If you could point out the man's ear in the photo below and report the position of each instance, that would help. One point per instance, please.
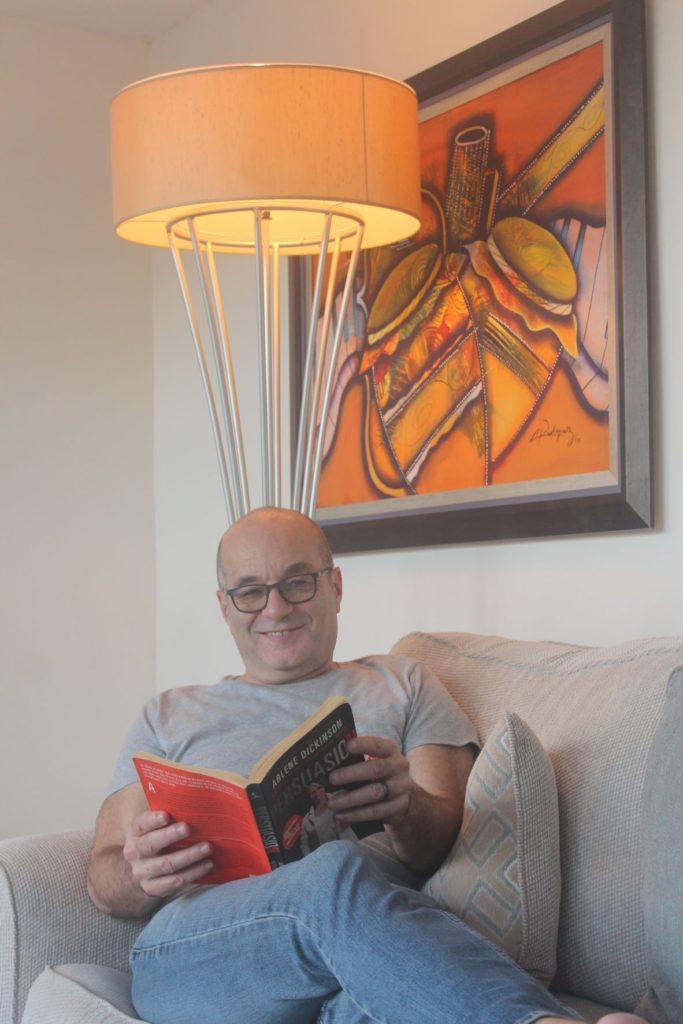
(223, 602)
(337, 584)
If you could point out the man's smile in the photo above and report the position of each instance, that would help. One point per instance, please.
(279, 632)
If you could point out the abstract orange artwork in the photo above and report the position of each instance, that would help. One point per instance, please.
(480, 356)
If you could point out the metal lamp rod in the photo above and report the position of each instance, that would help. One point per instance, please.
(350, 276)
(304, 411)
(264, 291)
(211, 310)
(319, 373)
(204, 372)
(277, 396)
(242, 482)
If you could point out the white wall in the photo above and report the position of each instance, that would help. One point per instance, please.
(76, 544)
(596, 589)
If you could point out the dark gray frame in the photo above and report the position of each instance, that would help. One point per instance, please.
(631, 507)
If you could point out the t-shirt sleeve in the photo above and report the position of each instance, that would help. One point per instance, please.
(434, 716)
(142, 736)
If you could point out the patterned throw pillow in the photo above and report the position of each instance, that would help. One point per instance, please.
(502, 877)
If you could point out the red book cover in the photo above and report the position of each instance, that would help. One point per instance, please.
(217, 810)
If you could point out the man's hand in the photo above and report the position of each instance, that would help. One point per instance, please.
(131, 870)
(157, 873)
(425, 793)
(387, 794)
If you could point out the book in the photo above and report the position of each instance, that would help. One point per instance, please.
(275, 816)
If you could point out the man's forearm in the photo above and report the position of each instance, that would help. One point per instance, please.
(423, 837)
(113, 889)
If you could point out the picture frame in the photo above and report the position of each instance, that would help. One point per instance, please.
(535, 178)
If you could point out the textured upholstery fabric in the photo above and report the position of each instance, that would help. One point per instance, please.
(76, 994)
(46, 916)
(80, 994)
(502, 877)
(663, 1001)
(586, 1007)
(595, 710)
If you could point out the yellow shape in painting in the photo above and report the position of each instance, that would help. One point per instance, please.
(438, 401)
(402, 290)
(538, 257)
(509, 404)
(379, 458)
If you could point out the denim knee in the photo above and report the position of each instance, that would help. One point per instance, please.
(334, 855)
(333, 861)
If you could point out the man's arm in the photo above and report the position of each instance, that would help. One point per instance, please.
(423, 812)
(129, 874)
(434, 815)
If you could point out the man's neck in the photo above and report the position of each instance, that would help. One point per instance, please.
(246, 677)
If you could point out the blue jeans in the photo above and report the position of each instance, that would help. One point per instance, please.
(326, 939)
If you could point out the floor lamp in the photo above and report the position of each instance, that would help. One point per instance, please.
(267, 160)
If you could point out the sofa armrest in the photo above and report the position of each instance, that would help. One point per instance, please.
(46, 916)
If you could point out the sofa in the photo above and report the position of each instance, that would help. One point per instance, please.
(611, 722)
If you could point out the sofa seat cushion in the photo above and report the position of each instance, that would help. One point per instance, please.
(88, 994)
(502, 876)
(80, 994)
(596, 711)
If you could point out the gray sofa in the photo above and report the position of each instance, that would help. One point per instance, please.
(611, 720)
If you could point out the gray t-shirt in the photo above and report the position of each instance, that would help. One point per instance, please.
(231, 724)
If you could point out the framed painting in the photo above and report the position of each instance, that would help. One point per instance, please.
(493, 379)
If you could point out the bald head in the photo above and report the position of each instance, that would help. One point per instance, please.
(286, 639)
(249, 530)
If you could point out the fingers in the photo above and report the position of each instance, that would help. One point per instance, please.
(386, 762)
(149, 844)
(169, 884)
(373, 746)
(372, 803)
(158, 873)
(367, 771)
(385, 811)
(160, 876)
(385, 795)
(366, 795)
(148, 820)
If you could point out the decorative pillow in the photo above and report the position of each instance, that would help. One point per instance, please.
(502, 877)
(80, 992)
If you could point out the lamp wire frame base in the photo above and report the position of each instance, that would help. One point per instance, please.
(320, 359)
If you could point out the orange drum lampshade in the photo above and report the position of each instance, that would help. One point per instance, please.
(220, 141)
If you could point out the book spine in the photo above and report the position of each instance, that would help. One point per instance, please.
(264, 824)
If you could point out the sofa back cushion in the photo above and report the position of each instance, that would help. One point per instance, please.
(663, 856)
(595, 710)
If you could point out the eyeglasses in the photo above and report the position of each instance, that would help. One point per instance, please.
(293, 589)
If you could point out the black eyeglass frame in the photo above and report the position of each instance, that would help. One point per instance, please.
(314, 576)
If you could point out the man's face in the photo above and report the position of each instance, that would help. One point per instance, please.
(317, 794)
(283, 642)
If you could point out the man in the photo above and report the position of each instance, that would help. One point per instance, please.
(340, 936)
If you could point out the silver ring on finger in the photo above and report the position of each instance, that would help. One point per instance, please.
(385, 792)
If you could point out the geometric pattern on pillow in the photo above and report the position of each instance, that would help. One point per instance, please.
(502, 876)
(489, 844)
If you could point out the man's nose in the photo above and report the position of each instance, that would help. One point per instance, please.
(276, 606)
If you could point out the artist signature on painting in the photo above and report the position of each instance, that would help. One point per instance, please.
(547, 431)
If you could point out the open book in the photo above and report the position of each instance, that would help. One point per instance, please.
(277, 815)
